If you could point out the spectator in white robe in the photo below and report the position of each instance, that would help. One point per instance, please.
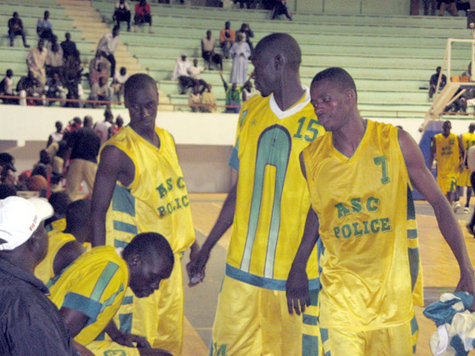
(240, 53)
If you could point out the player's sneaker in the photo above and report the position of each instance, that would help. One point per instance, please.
(466, 210)
(456, 206)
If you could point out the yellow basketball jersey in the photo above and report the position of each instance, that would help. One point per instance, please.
(468, 140)
(94, 285)
(56, 240)
(57, 225)
(370, 264)
(272, 199)
(156, 200)
(447, 153)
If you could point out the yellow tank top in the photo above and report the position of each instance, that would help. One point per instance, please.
(447, 153)
(370, 264)
(57, 225)
(468, 140)
(272, 199)
(156, 200)
(56, 240)
(94, 285)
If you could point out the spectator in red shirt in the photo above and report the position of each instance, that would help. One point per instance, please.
(226, 38)
(143, 14)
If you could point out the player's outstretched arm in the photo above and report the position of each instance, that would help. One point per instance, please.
(296, 288)
(113, 165)
(425, 183)
(197, 264)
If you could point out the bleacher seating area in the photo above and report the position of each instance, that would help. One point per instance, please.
(390, 57)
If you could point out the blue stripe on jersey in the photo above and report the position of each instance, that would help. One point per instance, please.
(262, 282)
(413, 264)
(309, 319)
(125, 323)
(128, 300)
(324, 334)
(412, 233)
(124, 227)
(104, 280)
(82, 304)
(414, 326)
(234, 159)
(309, 345)
(123, 201)
(119, 243)
(411, 210)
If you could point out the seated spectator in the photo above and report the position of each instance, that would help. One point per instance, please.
(463, 6)
(207, 51)
(122, 13)
(28, 87)
(240, 53)
(141, 266)
(432, 4)
(57, 135)
(99, 66)
(100, 91)
(54, 60)
(72, 77)
(233, 96)
(208, 100)
(280, 8)
(433, 82)
(180, 73)
(194, 99)
(7, 168)
(248, 34)
(143, 14)
(248, 91)
(36, 60)
(194, 72)
(68, 46)
(119, 123)
(55, 89)
(226, 38)
(6, 88)
(443, 4)
(15, 28)
(30, 322)
(104, 128)
(73, 125)
(44, 28)
(107, 46)
(118, 83)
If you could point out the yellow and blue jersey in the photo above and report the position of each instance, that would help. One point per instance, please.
(371, 270)
(156, 200)
(272, 198)
(447, 154)
(94, 285)
(56, 240)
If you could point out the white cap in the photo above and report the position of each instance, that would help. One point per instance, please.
(19, 219)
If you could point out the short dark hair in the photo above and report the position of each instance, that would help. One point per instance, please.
(149, 245)
(139, 81)
(78, 213)
(282, 43)
(338, 76)
(59, 201)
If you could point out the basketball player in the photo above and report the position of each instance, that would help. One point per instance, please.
(466, 140)
(360, 175)
(447, 152)
(268, 208)
(140, 187)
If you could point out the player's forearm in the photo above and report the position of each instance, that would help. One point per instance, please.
(225, 220)
(309, 239)
(450, 229)
(98, 227)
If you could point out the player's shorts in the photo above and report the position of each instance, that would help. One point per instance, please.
(394, 341)
(447, 182)
(255, 321)
(464, 178)
(109, 348)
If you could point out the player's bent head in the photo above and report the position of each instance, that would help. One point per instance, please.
(150, 259)
(280, 44)
(138, 82)
(78, 213)
(340, 77)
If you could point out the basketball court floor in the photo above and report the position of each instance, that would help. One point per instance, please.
(440, 272)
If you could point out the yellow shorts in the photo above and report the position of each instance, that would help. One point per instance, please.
(447, 182)
(159, 317)
(109, 348)
(394, 341)
(464, 178)
(255, 321)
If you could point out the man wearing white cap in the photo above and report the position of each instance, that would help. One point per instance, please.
(30, 322)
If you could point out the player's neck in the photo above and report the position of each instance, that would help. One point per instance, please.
(347, 139)
(288, 94)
